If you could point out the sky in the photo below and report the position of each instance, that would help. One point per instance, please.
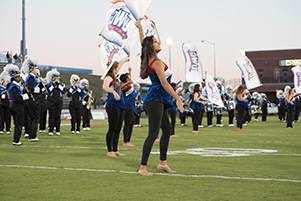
(65, 32)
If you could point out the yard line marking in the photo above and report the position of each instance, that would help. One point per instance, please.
(157, 174)
(125, 149)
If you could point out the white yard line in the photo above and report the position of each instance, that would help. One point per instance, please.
(157, 174)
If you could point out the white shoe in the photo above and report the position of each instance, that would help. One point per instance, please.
(219, 125)
(1, 132)
(231, 125)
(58, 133)
(33, 140)
(136, 126)
(17, 143)
(26, 135)
(84, 129)
(77, 132)
(182, 125)
(88, 128)
(7, 132)
(200, 126)
(245, 124)
(73, 132)
(50, 134)
(211, 126)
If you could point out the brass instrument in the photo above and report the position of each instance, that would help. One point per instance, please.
(90, 100)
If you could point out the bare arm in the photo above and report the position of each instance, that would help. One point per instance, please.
(159, 69)
(106, 84)
(140, 29)
(106, 87)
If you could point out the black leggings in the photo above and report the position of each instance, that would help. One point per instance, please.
(289, 119)
(173, 115)
(240, 115)
(112, 137)
(157, 118)
(196, 119)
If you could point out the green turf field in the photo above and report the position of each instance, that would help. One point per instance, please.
(74, 167)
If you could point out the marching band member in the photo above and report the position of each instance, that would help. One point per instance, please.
(32, 105)
(230, 103)
(256, 105)
(209, 111)
(297, 102)
(87, 100)
(241, 106)
(55, 90)
(129, 95)
(184, 95)
(264, 106)
(158, 99)
(5, 116)
(248, 115)
(138, 111)
(74, 92)
(17, 95)
(281, 105)
(111, 86)
(289, 100)
(43, 108)
(218, 109)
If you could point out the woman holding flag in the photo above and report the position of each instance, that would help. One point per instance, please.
(157, 101)
(111, 86)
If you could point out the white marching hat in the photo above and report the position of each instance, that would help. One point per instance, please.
(74, 79)
(51, 75)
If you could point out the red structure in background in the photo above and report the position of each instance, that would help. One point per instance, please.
(274, 69)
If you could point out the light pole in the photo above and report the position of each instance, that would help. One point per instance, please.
(169, 42)
(214, 55)
(23, 41)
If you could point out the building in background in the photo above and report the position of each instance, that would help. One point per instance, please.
(274, 69)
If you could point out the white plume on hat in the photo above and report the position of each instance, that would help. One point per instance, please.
(74, 79)
(27, 65)
(4, 77)
(11, 70)
(51, 75)
(84, 83)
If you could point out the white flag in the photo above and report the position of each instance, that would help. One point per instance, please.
(119, 25)
(213, 92)
(248, 72)
(297, 78)
(138, 7)
(110, 52)
(192, 63)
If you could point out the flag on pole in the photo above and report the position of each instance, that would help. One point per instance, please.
(248, 72)
(212, 91)
(192, 63)
(297, 78)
